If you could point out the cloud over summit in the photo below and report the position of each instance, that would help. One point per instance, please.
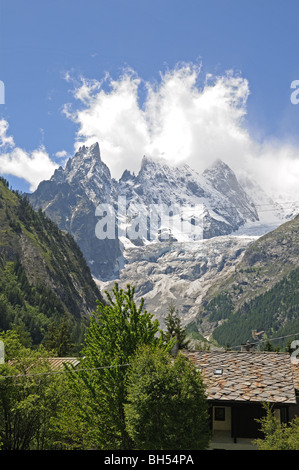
(183, 117)
(178, 119)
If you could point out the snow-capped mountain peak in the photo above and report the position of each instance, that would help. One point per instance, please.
(73, 194)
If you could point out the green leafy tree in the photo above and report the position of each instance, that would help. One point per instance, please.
(29, 396)
(76, 425)
(117, 330)
(167, 407)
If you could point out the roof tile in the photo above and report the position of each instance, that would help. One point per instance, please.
(250, 376)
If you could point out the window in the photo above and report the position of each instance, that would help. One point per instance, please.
(219, 413)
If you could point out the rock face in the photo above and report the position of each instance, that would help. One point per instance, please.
(175, 234)
(209, 204)
(225, 204)
(179, 272)
(70, 198)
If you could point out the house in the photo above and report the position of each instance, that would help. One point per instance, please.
(57, 363)
(295, 369)
(237, 385)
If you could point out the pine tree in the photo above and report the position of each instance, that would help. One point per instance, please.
(174, 327)
(58, 337)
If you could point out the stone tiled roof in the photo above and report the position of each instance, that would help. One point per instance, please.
(295, 369)
(246, 376)
(57, 362)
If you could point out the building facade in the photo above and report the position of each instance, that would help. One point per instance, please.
(237, 386)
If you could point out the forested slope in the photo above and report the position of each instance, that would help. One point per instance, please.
(261, 294)
(43, 274)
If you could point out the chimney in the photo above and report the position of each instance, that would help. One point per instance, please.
(247, 347)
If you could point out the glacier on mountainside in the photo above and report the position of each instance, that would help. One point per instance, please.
(220, 213)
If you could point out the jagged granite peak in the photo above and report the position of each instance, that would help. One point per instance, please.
(221, 177)
(58, 175)
(71, 196)
(87, 167)
(226, 203)
(86, 171)
(145, 161)
(86, 159)
(91, 153)
(159, 183)
(127, 175)
(151, 162)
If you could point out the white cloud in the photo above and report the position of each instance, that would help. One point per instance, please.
(61, 154)
(178, 120)
(33, 167)
(195, 124)
(114, 119)
(5, 140)
(275, 165)
(184, 117)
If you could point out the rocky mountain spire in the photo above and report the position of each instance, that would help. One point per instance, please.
(71, 196)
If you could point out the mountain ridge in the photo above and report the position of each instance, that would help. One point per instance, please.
(43, 270)
(72, 195)
(231, 303)
(190, 269)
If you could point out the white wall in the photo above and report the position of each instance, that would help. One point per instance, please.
(222, 425)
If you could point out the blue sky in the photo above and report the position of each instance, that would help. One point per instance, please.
(48, 48)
